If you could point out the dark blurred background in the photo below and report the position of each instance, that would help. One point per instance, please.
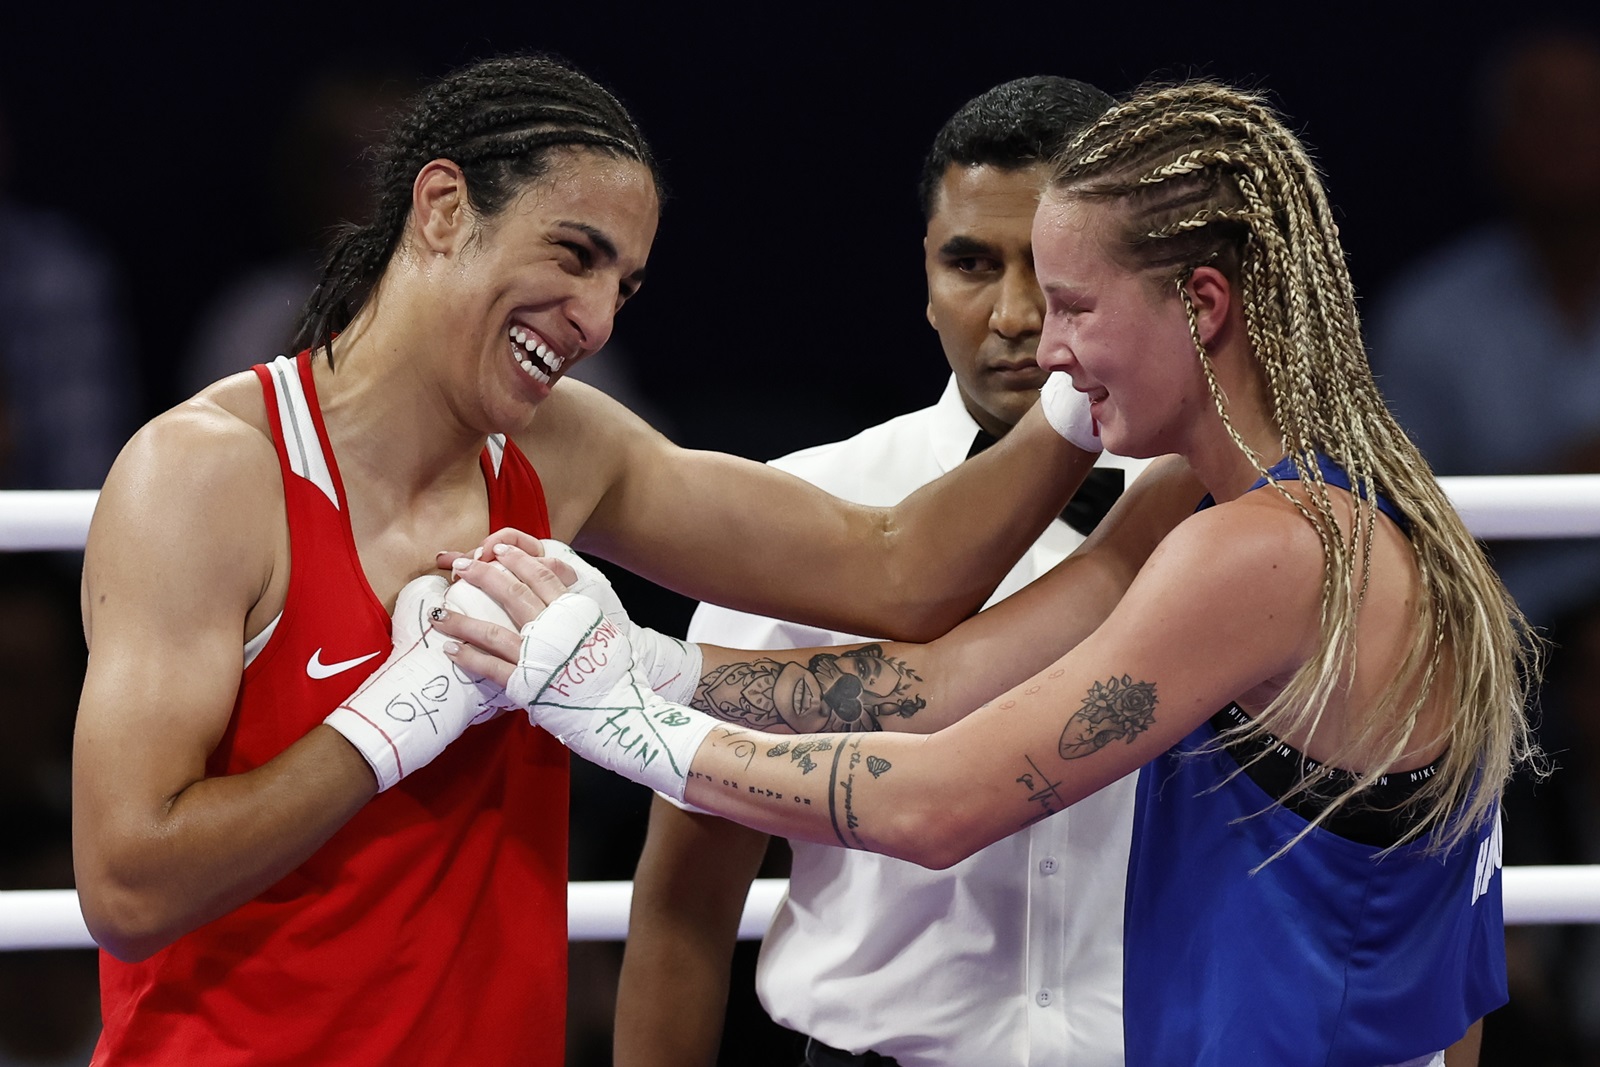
(786, 281)
(165, 179)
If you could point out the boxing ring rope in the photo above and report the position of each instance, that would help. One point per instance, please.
(1542, 506)
(598, 911)
(45, 520)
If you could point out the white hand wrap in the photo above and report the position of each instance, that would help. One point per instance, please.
(468, 599)
(1067, 411)
(671, 666)
(576, 677)
(414, 705)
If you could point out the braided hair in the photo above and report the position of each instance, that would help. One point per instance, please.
(499, 120)
(1199, 173)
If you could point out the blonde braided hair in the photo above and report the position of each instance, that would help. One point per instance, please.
(1202, 173)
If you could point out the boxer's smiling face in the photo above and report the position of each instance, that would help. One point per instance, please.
(536, 288)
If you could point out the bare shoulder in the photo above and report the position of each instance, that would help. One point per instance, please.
(1229, 599)
(576, 415)
(195, 496)
(217, 443)
(1256, 533)
(1161, 497)
(1169, 474)
(1258, 546)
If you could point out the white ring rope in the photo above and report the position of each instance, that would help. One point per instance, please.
(1542, 506)
(45, 519)
(1531, 506)
(598, 911)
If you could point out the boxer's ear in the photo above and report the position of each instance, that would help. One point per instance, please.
(1212, 296)
(441, 214)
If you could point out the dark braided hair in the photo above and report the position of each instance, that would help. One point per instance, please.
(499, 120)
(1012, 126)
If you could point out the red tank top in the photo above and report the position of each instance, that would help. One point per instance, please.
(431, 929)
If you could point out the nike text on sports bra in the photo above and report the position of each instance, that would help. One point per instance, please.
(1380, 817)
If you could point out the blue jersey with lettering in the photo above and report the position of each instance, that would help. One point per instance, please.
(1335, 954)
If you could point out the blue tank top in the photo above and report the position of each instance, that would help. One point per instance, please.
(1335, 954)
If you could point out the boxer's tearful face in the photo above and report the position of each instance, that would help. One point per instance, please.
(983, 297)
(1120, 334)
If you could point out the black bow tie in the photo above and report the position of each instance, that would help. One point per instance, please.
(1092, 500)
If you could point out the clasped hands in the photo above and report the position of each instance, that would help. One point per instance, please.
(523, 576)
(555, 636)
(527, 624)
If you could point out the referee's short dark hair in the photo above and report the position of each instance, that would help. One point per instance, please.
(1014, 125)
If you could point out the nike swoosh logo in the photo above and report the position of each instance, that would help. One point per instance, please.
(318, 669)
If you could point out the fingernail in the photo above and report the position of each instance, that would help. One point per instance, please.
(501, 550)
(477, 553)
(461, 564)
(452, 647)
(438, 614)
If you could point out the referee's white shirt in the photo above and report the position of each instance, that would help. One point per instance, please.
(1012, 957)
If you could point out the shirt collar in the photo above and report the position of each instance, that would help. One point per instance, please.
(954, 428)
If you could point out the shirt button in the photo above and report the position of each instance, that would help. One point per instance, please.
(1048, 865)
(1043, 998)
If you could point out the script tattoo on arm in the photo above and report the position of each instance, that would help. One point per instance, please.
(845, 693)
(1043, 791)
(847, 760)
(1118, 709)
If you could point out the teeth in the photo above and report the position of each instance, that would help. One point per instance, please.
(548, 362)
(533, 371)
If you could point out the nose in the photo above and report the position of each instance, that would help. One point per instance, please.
(1053, 353)
(592, 311)
(1018, 310)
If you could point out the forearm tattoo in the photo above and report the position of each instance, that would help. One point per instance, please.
(1118, 709)
(845, 765)
(849, 762)
(845, 693)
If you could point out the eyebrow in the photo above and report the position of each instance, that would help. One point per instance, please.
(606, 246)
(962, 245)
(602, 243)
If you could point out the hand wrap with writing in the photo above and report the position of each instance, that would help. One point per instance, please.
(418, 701)
(671, 666)
(575, 675)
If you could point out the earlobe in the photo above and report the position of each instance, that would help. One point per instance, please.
(931, 320)
(439, 206)
(1211, 294)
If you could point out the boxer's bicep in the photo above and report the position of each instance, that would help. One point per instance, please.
(178, 553)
